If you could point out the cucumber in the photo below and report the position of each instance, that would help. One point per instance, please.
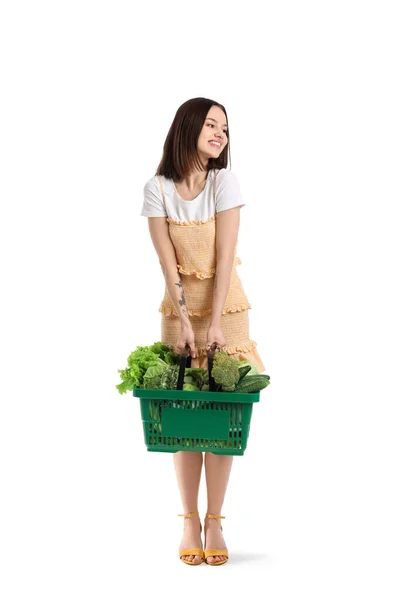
(243, 371)
(252, 383)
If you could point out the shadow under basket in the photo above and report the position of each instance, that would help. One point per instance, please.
(175, 420)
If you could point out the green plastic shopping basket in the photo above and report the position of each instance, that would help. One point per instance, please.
(209, 421)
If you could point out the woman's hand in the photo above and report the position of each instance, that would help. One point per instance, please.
(215, 334)
(187, 337)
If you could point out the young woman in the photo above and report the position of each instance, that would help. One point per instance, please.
(193, 204)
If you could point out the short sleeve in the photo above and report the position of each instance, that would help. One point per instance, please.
(153, 205)
(227, 192)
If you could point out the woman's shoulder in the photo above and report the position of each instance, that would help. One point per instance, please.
(157, 183)
(228, 193)
(225, 176)
(152, 185)
(153, 204)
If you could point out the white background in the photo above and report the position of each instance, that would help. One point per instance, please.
(89, 90)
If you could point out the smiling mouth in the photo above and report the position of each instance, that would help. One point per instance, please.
(215, 145)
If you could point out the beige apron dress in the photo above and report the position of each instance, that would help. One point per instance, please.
(195, 249)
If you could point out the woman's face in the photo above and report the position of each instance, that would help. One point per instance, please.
(213, 139)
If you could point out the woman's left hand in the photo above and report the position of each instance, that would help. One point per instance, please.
(215, 334)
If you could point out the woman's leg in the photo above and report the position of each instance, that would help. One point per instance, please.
(188, 467)
(217, 469)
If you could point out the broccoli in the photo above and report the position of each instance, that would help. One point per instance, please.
(225, 371)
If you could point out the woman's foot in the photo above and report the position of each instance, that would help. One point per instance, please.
(214, 539)
(192, 538)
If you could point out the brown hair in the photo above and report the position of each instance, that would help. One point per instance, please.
(180, 156)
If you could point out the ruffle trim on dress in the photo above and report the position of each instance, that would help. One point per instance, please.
(204, 274)
(190, 223)
(202, 312)
(199, 274)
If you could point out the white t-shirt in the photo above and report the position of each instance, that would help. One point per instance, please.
(202, 208)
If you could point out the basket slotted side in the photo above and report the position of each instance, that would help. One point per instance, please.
(195, 421)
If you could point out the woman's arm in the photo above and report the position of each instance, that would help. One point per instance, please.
(227, 229)
(158, 227)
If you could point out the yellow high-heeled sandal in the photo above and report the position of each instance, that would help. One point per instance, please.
(215, 551)
(193, 551)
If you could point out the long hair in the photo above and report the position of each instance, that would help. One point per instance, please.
(180, 156)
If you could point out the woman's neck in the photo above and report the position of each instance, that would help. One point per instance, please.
(194, 181)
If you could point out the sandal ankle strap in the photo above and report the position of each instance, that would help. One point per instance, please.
(195, 514)
(214, 516)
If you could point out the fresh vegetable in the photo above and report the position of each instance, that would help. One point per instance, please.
(161, 377)
(190, 387)
(198, 375)
(243, 371)
(157, 367)
(166, 353)
(130, 377)
(169, 378)
(252, 383)
(152, 377)
(140, 360)
(225, 371)
(244, 363)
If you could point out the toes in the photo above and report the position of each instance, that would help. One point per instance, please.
(192, 558)
(221, 558)
(213, 559)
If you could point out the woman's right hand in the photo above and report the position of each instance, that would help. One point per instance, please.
(187, 337)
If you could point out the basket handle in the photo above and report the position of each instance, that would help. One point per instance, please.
(186, 361)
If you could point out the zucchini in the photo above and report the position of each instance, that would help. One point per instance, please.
(252, 383)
